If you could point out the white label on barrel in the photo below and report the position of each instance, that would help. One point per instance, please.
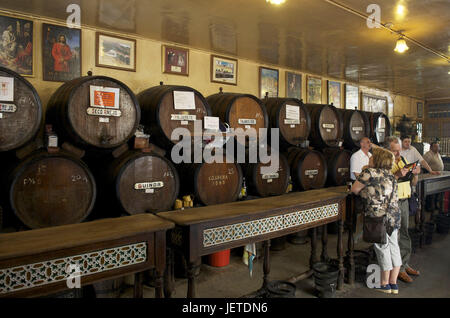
(1, 115)
(381, 130)
(53, 141)
(183, 100)
(103, 112)
(328, 130)
(149, 190)
(292, 121)
(311, 173)
(184, 122)
(292, 126)
(340, 144)
(270, 176)
(269, 180)
(6, 89)
(328, 126)
(292, 112)
(175, 69)
(103, 120)
(149, 185)
(8, 108)
(357, 129)
(342, 171)
(183, 117)
(211, 123)
(104, 97)
(244, 121)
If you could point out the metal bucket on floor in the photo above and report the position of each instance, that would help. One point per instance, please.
(280, 289)
(325, 279)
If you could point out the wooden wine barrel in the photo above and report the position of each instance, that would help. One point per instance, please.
(327, 127)
(356, 126)
(76, 114)
(211, 183)
(380, 127)
(162, 116)
(291, 117)
(239, 110)
(338, 162)
(50, 189)
(144, 182)
(264, 185)
(20, 111)
(308, 168)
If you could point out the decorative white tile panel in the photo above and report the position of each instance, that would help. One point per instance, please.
(38, 274)
(239, 231)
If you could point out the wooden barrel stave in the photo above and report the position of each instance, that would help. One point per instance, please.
(51, 189)
(356, 126)
(290, 134)
(338, 162)
(68, 107)
(157, 105)
(136, 169)
(327, 127)
(19, 126)
(308, 168)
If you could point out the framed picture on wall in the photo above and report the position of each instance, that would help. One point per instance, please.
(61, 53)
(224, 70)
(375, 104)
(268, 82)
(16, 46)
(175, 60)
(419, 110)
(115, 52)
(314, 90)
(351, 96)
(293, 85)
(334, 93)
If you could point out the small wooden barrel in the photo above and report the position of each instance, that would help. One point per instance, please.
(48, 189)
(327, 126)
(144, 182)
(239, 110)
(380, 127)
(308, 168)
(338, 162)
(356, 126)
(20, 111)
(211, 183)
(77, 116)
(264, 185)
(292, 119)
(162, 116)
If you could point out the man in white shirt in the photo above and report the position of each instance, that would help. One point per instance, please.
(434, 159)
(360, 158)
(411, 154)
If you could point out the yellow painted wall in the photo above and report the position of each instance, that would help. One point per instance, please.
(149, 72)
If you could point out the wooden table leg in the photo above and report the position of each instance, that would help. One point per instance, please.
(169, 275)
(351, 221)
(139, 285)
(192, 272)
(340, 253)
(313, 258)
(324, 256)
(266, 267)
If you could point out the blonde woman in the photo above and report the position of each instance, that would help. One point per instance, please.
(377, 187)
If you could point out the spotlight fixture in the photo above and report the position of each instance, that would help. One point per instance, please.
(401, 46)
(276, 2)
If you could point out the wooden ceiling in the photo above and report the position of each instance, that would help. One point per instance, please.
(314, 36)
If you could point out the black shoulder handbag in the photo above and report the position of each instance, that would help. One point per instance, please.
(374, 229)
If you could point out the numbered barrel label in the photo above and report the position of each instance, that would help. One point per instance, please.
(292, 121)
(342, 171)
(381, 130)
(270, 176)
(357, 128)
(149, 185)
(328, 126)
(311, 173)
(218, 180)
(103, 112)
(245, 121)
(8, 108)
(183, 117)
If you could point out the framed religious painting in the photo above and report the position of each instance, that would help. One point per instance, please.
(175, 60)
(375, 104)
(314, 90)
(293, 85)
(115, 52)
(16, 46)
(61, 53)
(334, 93)
(351, 96)
(268, 82)
(224, 70)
